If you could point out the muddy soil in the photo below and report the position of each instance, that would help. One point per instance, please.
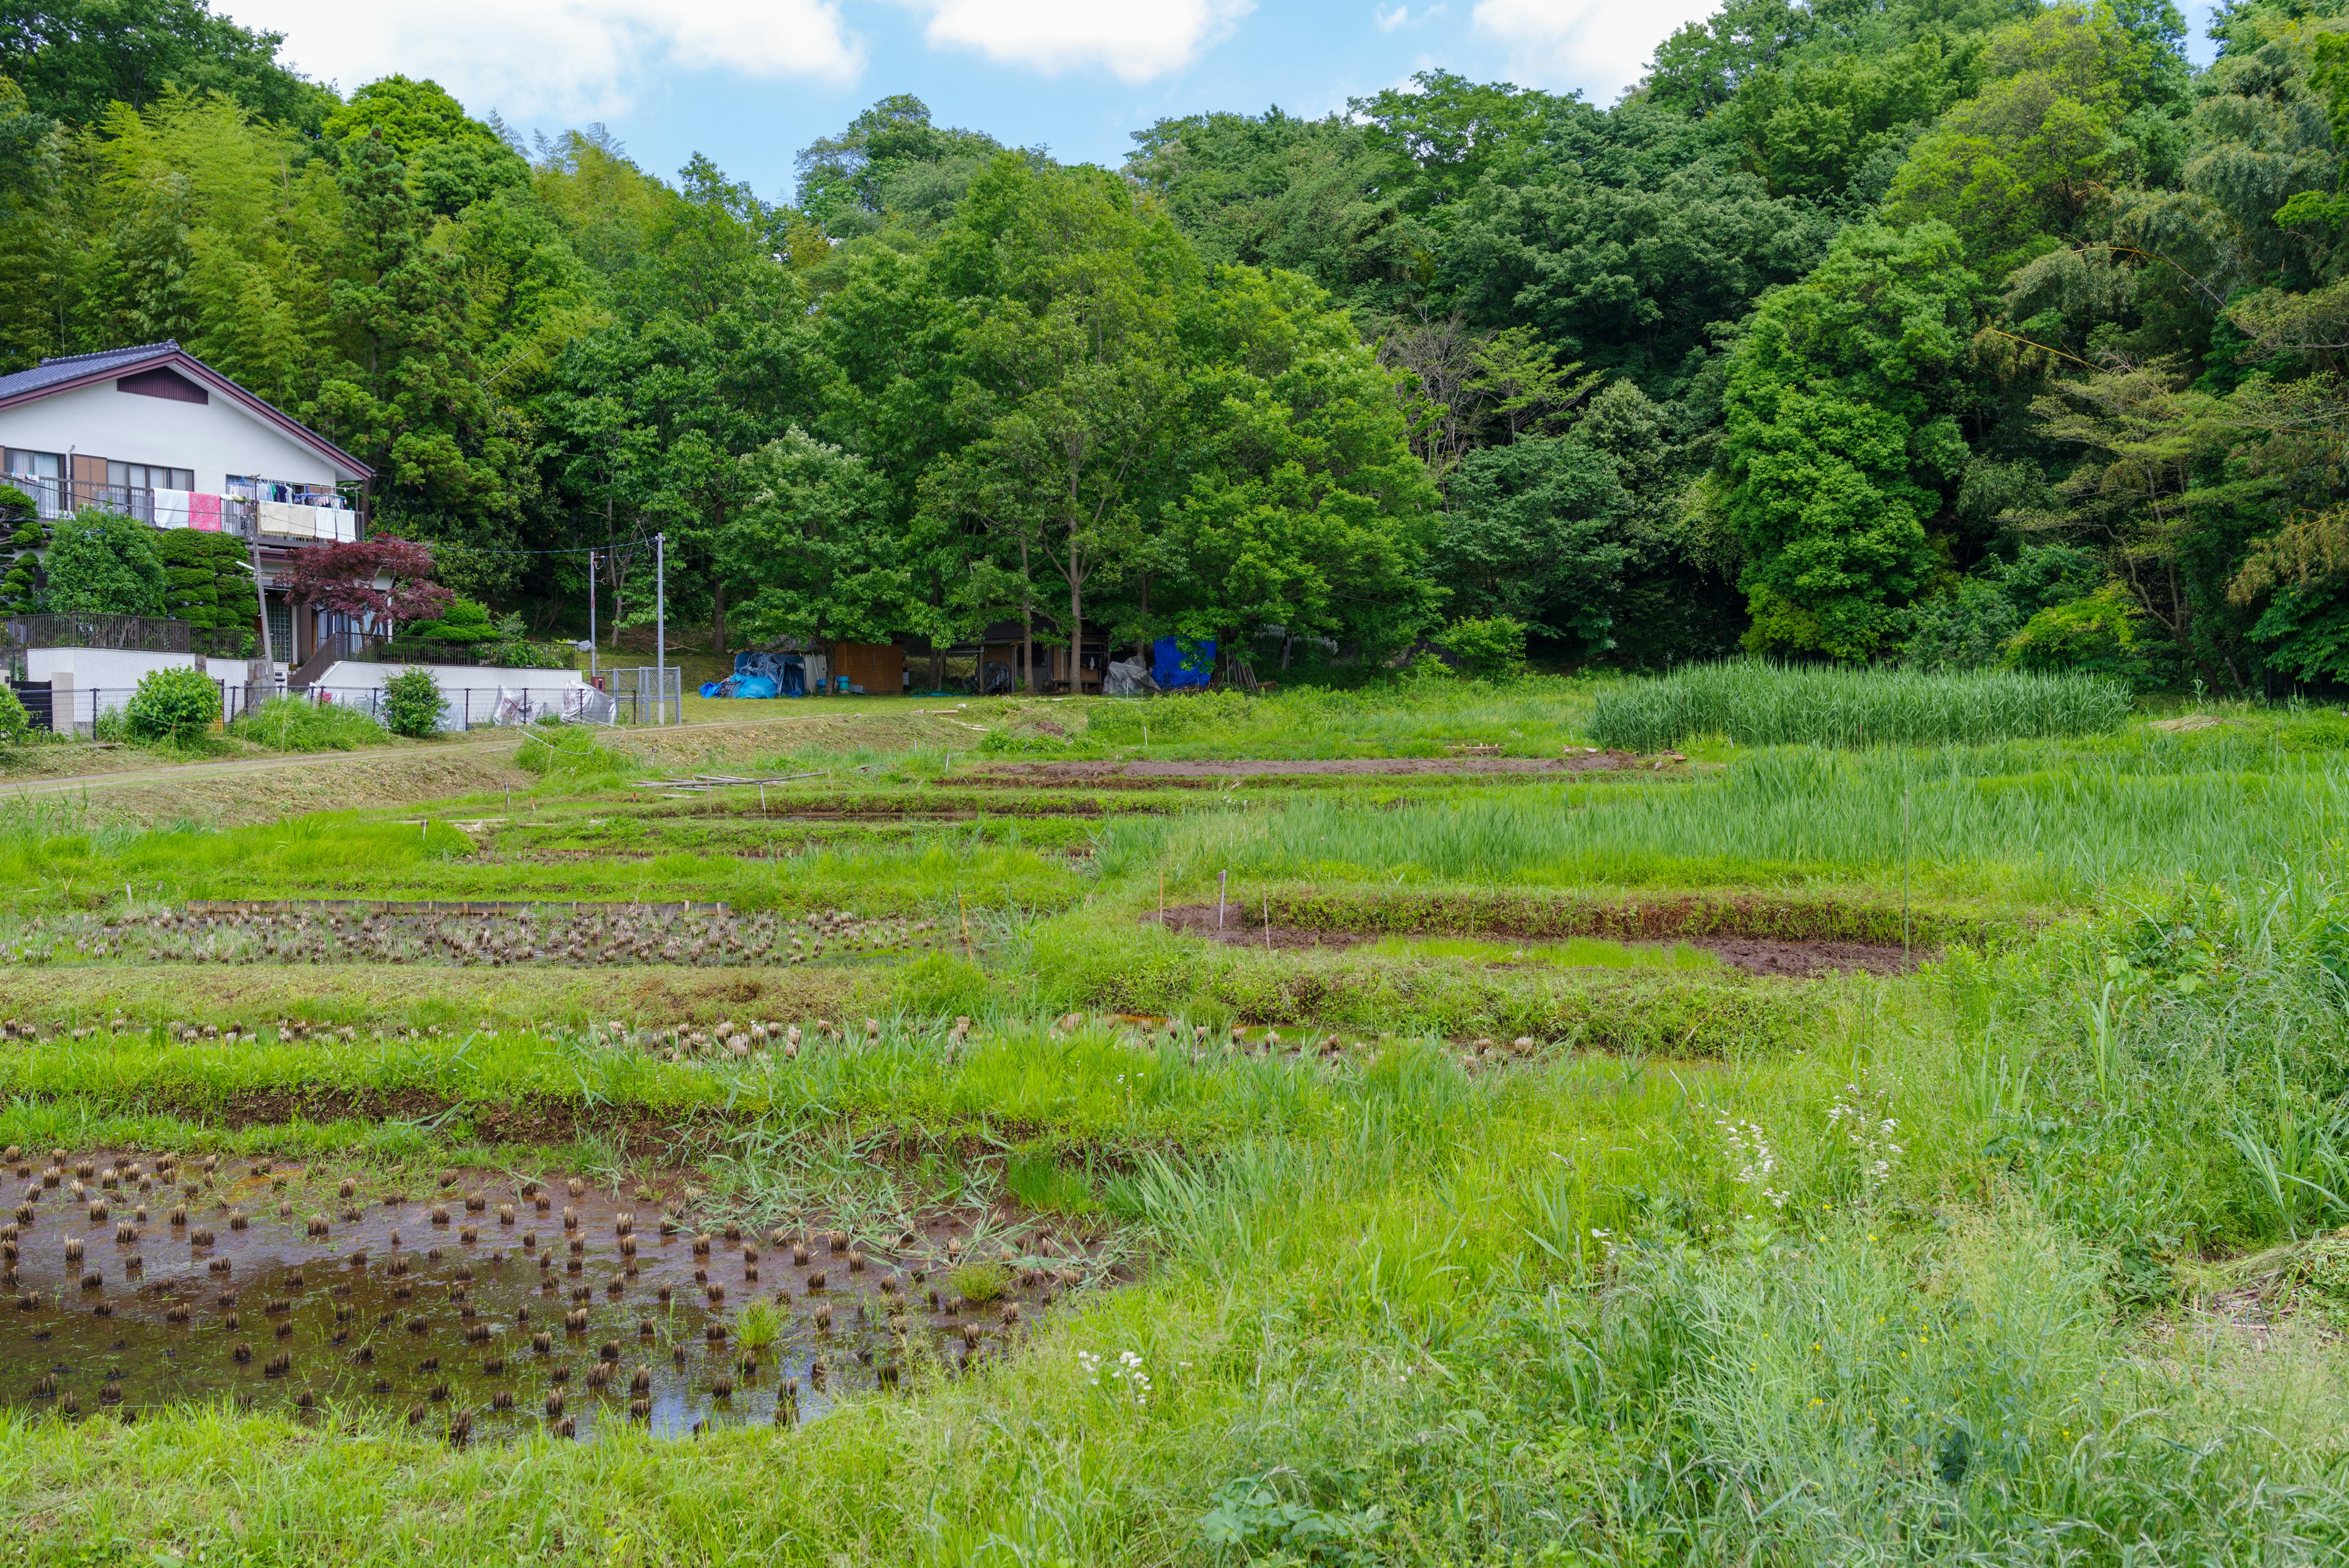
(481, 1291)
(1096, 772)
(1784, 957)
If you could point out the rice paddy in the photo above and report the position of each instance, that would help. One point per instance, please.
(1802, 1137)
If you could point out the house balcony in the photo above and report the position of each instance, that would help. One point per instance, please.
(291, 525)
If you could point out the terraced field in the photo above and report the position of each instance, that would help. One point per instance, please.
(988, 1134)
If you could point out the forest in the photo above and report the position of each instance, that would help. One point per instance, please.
(1949, 333)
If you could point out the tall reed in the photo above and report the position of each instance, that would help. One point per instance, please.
(1761, 704)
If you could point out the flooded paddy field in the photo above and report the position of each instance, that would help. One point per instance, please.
(481, 1302)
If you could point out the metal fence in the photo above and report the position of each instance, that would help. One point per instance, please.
(653, 692)
(138, 633)
(463, 708)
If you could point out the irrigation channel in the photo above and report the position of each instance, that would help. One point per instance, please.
(489, 1305)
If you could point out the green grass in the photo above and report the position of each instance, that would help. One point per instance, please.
(299, 724)
(1759, 704)
(1723, 1271)
(2035, 820)
(1574, 952)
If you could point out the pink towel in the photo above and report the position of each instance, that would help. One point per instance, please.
(204, 512)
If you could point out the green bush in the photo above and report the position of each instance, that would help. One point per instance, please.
(210, 577)
(171, 705)
(299, 724)
(15, 724)
(1489, 649)
(2093, 636)
(466, 621)
(100, 563)
(412, 704)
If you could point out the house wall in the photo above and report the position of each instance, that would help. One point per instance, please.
(366, 675)
(86, 681)
(213, 439)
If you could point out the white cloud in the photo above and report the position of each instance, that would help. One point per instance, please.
(1389, 20)
(1593, 45)
(1134, 40)
(562, 59)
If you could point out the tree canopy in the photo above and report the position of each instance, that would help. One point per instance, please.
(1954, 331)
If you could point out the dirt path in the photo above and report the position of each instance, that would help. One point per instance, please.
(480, 745)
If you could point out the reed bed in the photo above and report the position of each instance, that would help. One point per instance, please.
(1759, 704)
(2012, 822)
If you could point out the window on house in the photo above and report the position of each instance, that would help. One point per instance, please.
(148, 476)
(37, 464)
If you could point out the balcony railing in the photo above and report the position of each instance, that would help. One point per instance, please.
(138, 633)
(55, 498)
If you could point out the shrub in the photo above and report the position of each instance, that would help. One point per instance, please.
(2095, 636)
(1490, 648)
(464, 621)
(412, 704)
(171, 705)
(297, 724)
(99, 563)
(15, 724)
(210, 577)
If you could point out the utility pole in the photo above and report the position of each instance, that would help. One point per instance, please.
(591, 618)
(660, 626)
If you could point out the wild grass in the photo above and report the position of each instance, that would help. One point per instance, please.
(1759, 704)
(297, 724)
(1899, 1269)
(1574, 952)
(1535, 717)
(2025, 820)
(343, 855)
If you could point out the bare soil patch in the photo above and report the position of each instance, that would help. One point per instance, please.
(1796, 958)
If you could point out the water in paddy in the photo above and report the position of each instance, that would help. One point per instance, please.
(496, 1295)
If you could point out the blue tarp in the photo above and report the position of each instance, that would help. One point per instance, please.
(769, 675)
(1171, 668)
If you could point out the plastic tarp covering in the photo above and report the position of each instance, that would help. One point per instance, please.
(1171, 666)
(1130, 678)
(585, 705)
(513, 707)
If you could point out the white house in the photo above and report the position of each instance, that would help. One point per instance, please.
(157, 434)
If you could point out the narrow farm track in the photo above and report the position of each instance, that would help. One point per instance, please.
(494, 744)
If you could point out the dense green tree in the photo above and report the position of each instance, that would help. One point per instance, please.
(101, 563)
(1841, 447)
(76, 58)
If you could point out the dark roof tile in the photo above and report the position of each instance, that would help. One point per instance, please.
(72, 367)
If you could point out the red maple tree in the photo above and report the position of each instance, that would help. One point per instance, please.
(343, 577)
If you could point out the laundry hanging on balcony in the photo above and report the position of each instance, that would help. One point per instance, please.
(285, 518)
(172, 508)
(203, 512)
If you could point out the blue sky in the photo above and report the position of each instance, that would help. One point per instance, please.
(750, 82)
